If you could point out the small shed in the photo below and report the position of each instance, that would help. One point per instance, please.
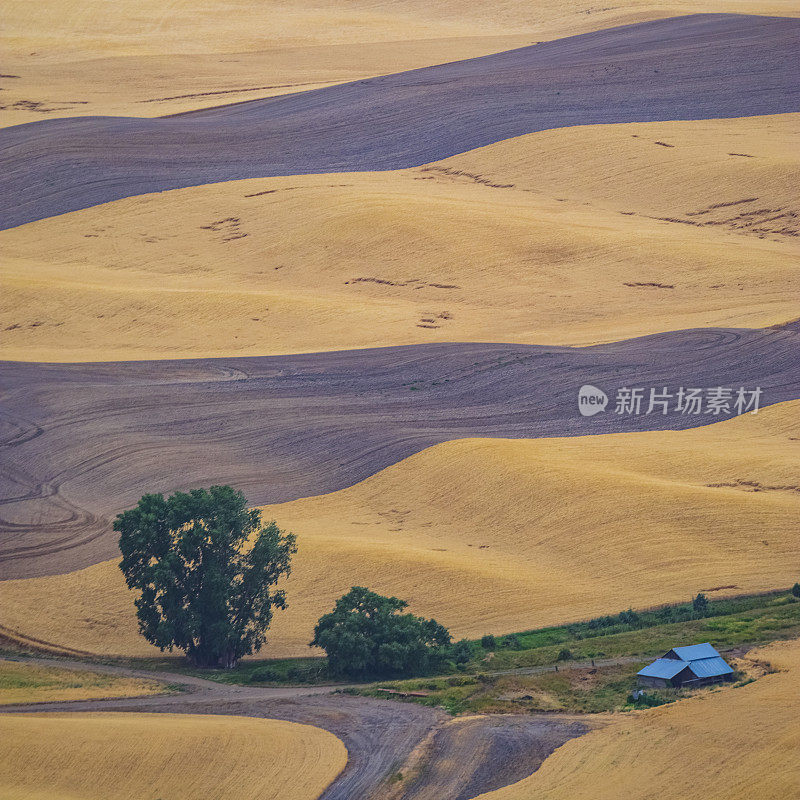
(695, 665)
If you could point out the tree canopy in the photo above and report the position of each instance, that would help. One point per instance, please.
(205, 568)
(366, 635)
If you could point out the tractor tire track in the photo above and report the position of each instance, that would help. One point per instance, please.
(285, 427)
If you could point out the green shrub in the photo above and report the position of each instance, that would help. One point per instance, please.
(629, 617)
(460, 680)
(298, 675)
(461, 651)
(644, 700)
(488, 642)
(367, 635)
(700, 605)
(264, 675)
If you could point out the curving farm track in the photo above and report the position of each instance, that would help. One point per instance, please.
(441, 757)
(81, 442)
(694, 67)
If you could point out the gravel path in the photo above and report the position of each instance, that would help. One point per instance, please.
(197, 689)
(702, 66)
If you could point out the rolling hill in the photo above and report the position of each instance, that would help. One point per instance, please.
(692, 67)
(150, 58)
(573, 236)
(355, 258)
(503, 535)
(85, 441)
(94, 756)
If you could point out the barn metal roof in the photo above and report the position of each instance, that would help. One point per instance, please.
(709, 667)
(694, 651)
(702, 659)
(663, 668)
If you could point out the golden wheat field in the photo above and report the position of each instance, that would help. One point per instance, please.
(58, 28)
(500, 535)
(96, 756)
(23, 682)
(529, 240)
(572, 236)
(739, 744)
(173, 83)
(145, 59)
(79, 57)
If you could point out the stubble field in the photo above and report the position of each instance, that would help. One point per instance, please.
(240, 178)
(97, 756)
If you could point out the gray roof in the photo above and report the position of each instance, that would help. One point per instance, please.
(693, 651)
(702, 659)
(710, 667)
(663, 668)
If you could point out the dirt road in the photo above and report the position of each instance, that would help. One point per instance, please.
(452, 759)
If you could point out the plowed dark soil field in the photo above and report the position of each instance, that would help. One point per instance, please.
(703, 66)
(81, 442)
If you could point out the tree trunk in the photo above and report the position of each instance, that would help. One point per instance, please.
(225, 660)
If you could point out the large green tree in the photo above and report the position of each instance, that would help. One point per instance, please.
(366, 635)
(205, 568)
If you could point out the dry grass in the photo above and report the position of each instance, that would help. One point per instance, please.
(575, 251)
(499, 535)
(180, 757)
(30, 683)
(739, 743)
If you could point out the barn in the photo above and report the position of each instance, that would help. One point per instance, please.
(695, 665)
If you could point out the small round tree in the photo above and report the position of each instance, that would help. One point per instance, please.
(204, 567)
(366, 635)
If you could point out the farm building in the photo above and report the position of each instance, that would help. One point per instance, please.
(695, 665)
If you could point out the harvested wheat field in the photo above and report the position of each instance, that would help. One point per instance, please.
(581, 235)
(95, 756)
(502, 535)
(86, 441)
(359, 260)
(739, 743)
(169, 82)
(135, 27)
(22, 682)
(151, 58)
(700, 67)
